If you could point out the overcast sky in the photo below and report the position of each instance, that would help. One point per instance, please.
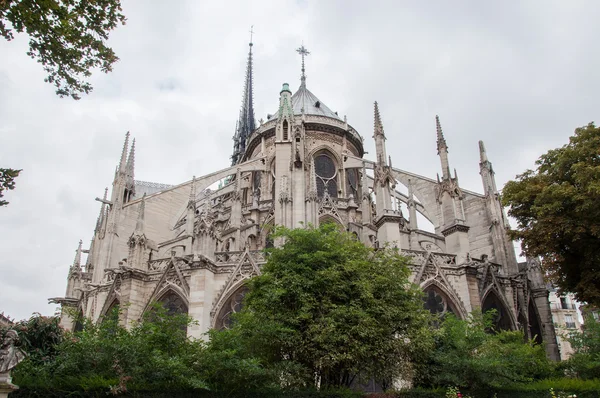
(520, 75)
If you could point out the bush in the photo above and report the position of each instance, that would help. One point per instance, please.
(153, 355)
(468, 356)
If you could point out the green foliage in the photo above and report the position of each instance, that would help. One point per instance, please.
(68, 37)
(468, 356)
(557, 212)
(39, 337)
(585, 361)
(153, 354)
(327, 310)
(7, 182)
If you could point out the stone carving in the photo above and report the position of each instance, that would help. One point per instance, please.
(10, 356)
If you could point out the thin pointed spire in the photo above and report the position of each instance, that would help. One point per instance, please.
(441, 141)
(246, 123)
(303, 53)
(442, 149)
(139, 225)
(192, 199)
(100, 219)
(131, 161)
(123, 162)
(377, 120)
(77, 260)
(482, 154)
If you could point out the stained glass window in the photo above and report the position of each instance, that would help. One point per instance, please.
(173, 303)
(436, 303)
(232, 305)
(326, 175)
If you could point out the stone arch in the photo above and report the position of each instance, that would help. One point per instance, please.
(330, 218)
(174, 302)
(231, 304)
(115, 303)
(327, 172)
(157, 297)
(504, 319)
(323, 148)
(252, 242)
(442, 292)
(78, 326)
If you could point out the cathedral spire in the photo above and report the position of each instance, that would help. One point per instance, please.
(303, 52)
(442, 149)
(246, 123)
(123, 162)
(379, 137)
(192, 199)
(482, 155)
(131, 161)
(77, 260)
(100, 219)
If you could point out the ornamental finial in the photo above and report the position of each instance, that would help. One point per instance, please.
(303, 52)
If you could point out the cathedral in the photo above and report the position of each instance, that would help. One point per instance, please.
(192, 246)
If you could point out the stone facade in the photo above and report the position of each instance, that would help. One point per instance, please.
(193, 248)
(566, 317)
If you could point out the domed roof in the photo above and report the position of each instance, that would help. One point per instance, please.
(303, 98)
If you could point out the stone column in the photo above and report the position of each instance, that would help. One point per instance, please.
(542, 304)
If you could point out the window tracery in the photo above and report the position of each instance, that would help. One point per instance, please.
(232, 305)
(326, 173)
(436, 302)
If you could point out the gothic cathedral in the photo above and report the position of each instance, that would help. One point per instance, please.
(192, 247)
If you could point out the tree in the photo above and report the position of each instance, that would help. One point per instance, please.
(558, 216)
(153, 354)
(329, 311)
(467, 355)
(39, 337)
(585, 361)
(68, 37)
(7, 182)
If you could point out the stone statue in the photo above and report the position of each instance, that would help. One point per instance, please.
(10, 356)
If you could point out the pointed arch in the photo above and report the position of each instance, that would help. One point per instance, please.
(174, 302)
(330, 218)
(167, 290)
(443, 297)
(533, 323)
(114, 305)
(232, 303)
(504, 318)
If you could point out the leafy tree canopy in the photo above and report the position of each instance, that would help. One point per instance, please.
(7, 182)
(585, 361)
(467, 355)
(558, 216)
(329, 311)
(68, 37)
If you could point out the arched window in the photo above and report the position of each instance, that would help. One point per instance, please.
(535, 331)
(173, 303)
(231, 306)
(352, 183)
(501, 320)
(285, 130)
(326, 172)
(436, 302)
(113, 311)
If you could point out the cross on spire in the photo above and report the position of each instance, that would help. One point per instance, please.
(251, 33)
(303, 52)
